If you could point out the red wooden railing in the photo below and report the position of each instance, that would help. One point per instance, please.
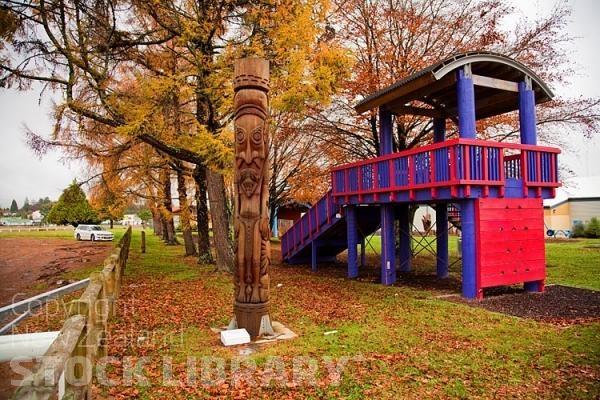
(453, 163)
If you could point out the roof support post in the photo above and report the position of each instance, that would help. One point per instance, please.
(527, 112)
(385, 132)
(441, 209)
(439, 130)
(465, 93)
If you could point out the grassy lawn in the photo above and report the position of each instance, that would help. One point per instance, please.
(386, 342)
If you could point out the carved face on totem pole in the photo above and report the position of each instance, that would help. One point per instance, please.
(251, 151)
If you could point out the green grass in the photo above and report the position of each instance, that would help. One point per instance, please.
(402, 342)
(574, 262)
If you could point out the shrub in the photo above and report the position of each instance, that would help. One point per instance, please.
(592, 228)
(578, 230)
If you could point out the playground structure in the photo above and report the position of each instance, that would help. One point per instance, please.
(492, 190)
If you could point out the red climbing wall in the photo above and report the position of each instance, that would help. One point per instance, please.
(510, 241)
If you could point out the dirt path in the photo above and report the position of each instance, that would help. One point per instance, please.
(35, 265)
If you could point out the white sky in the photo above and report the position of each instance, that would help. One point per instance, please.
(23, 175)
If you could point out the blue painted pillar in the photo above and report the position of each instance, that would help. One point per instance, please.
(352, 232)
(441, 209)
(362, 252)
(385, 132)
(527, 126)
(313, 260)
(405, 237)
(441, 232)
(388, 238)
(439, 130)
(465, 96)
(388, 245)
(527, 113)
(469, 249)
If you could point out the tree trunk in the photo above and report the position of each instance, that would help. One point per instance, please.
(184, 214)
(204, 253)
(220, 221)
(168, 224)
(156, 222)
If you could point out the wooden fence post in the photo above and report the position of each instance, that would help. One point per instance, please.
(143, 242)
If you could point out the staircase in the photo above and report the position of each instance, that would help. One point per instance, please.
(322, 230)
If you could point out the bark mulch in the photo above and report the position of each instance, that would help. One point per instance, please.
(558, 304)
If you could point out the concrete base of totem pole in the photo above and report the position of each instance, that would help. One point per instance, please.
(254, 317)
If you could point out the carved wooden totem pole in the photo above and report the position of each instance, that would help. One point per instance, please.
(252, 233)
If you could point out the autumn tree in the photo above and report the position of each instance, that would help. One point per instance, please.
(391, 40)
(96, 52)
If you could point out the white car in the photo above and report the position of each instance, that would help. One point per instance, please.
(92, 232)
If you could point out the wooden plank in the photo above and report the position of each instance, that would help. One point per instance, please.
(411, 110)
(495, 83)
(34, 385)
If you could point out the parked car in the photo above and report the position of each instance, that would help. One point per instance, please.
(92, 232)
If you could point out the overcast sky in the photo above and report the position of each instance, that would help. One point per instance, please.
(23, 175)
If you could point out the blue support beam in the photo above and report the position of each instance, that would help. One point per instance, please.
(465, 95)
(441, 209)
(527, 113)
(441, 232)
(405, 237)
(388, 245)
(314, 255)
(352, 232)
(469, 249)
(439, 130)
(385, 132)
(362, 252)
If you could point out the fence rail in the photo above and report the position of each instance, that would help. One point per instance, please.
(81, 337)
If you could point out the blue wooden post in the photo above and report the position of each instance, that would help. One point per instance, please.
(362, 252)
(405, 237)
(469, 249)
(388, 239)
(314, 255)
(527, 112)
(439, 130)
(441, 209)
(441, 232)
(465, 92)
(385, 132)
(388, 245)
(527, 126)
(352, 232)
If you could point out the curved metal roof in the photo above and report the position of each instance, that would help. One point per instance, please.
(496, 77)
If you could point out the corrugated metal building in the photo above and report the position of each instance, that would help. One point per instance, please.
(577, 201)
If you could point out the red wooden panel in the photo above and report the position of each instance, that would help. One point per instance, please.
(510, 234)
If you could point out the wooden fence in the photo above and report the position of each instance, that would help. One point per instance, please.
(81, 341)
